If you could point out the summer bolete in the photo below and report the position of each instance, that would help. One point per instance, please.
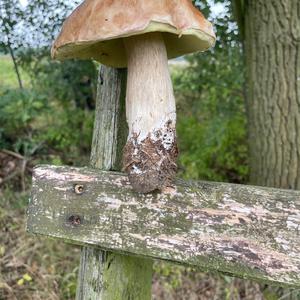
(140, 35)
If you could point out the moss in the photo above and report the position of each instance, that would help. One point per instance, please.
(131, 277)
(169, 222)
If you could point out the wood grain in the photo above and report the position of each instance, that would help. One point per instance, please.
(245, 231)
(104, 275)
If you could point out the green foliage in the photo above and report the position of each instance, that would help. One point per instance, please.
(224, 23)
(18, 110)
(211, 116)
(31, 122)
(54, 118)
(70, 81)
(69, 283)
(68, 135)
(172, 275)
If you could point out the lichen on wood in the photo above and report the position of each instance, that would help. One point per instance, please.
(245, 231)
(104, 275)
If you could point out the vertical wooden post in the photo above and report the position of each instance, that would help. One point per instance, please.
(104, 275)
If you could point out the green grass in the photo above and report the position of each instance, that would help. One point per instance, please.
(8, 77)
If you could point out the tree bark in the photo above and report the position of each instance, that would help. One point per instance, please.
(272, 48)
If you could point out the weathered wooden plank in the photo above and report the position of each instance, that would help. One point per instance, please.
(104, 275)
(246, 231)
(110, 128)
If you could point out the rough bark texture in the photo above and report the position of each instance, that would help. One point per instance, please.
(245, 231)
(151, 150)
(272, 45)
(104, 275)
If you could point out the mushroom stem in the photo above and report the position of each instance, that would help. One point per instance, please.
(151, 150)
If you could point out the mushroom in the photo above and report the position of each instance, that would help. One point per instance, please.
(140, 35)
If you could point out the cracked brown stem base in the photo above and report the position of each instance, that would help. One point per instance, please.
(151, 164)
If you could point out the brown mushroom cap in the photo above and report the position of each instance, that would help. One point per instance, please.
(96, 28)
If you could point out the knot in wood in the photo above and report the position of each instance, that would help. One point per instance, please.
(74, 220)
(78, 189)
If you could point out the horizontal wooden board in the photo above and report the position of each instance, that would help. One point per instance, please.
(245, 231)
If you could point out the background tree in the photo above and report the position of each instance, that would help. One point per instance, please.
(33, 26)
(44, 19)
(11, 16)
(270, 31)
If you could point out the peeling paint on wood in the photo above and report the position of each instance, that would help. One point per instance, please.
(245, 231)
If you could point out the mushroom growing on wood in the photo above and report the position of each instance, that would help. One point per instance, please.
(140, 35)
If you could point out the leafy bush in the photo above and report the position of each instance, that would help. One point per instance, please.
(68, 135)
(211, 116)
(71, 81)
(54, 116)
(30, 122)
(18, 111)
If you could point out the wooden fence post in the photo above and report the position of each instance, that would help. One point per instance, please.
(104, 275)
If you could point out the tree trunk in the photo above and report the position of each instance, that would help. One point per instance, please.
(11, 52)
(272, 47)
